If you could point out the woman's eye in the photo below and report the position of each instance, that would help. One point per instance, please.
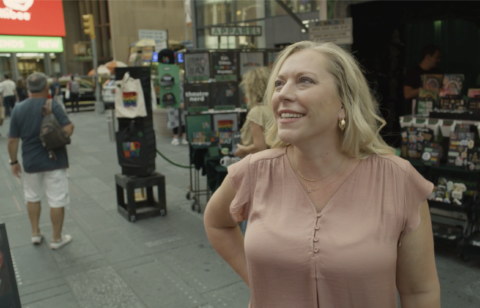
(278, 83)
(306, 80)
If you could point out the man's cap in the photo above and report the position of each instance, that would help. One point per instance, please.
(166, 56)
(168, 99)
(167, 80)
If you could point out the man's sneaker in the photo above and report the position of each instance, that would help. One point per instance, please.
(37, 240)
(175, 142)
(184, 141)
(62, 242)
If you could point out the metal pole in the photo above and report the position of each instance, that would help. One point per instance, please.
(99, 107)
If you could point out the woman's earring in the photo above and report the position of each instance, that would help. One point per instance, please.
(342, 124)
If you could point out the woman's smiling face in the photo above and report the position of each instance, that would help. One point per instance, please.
(305, 102)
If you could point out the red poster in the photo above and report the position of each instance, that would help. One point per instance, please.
(32, 17)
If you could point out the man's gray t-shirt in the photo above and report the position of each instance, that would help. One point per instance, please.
(25, 124)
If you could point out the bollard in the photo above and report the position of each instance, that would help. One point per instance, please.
(111, 123)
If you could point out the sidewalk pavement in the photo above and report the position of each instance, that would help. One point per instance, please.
(160, 262)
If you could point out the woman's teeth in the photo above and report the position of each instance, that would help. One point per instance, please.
(291, 115)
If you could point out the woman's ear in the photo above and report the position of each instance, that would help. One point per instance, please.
(342, 114)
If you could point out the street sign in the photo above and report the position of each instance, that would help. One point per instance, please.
(160, 37)
(236, 31)
(9, 43)
(338, 31)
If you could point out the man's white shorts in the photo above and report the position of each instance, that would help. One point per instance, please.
(54, 183)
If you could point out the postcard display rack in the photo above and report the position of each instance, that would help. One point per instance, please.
(216, 104)
(442, 142)
(136, 152)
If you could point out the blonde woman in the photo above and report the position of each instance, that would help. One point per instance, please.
(335, 219)
(253, 140)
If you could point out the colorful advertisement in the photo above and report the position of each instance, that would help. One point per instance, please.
(224, 66)
(32, 17)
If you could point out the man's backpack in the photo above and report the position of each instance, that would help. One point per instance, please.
(75, 87)
(52, 134)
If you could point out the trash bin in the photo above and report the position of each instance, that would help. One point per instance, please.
(111, 123)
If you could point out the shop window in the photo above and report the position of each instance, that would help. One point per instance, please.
(213, 12)
(297, 6)
(249, 10)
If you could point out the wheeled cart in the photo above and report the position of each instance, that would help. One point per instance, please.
(196, 155)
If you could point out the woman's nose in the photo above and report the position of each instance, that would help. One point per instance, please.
(287, 92)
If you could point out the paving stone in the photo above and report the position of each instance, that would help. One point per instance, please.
(45, 294)
(35, 264)
(102, 288)
(158, 286)
(91, 185)
(199, 265)
(64, 301)
(236, 295)
(93, 219)
(115, 247)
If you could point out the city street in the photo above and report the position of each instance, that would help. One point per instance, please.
(164, 262)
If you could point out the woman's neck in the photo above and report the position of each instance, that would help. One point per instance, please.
(318, 160)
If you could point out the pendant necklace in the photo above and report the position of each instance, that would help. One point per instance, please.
(309, 190)
(309, 180)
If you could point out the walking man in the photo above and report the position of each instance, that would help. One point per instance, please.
(41, 173)
(8, 89)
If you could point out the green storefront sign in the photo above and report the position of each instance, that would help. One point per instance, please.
(10, 43)
(236, 31)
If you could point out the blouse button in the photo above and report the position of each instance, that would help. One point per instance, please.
(315, 239)
(319, 214)
(315, 250)
(317, 228)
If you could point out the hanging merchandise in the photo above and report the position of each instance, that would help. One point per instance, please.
(129, 99)
(250, 61)
(169, 90)
(135, 147)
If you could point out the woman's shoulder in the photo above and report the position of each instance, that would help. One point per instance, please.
(268, 154)
(391, 161)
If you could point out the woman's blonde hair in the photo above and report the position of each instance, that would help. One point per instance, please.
(254, 84)
(361, 137)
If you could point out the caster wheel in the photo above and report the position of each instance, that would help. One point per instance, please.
(194, 204)
(163, 213)
(199, 209)
(187, 195)
(464, 257)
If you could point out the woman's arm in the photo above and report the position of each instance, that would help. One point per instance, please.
(223, 232)
(417, 279)
(258, 142)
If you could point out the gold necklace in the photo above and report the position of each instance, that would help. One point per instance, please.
(309, 190)
(309, 180)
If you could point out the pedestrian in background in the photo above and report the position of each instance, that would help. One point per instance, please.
(9, 92)
(73, 87)
(335, 219)
(259, 115)
(56, 92)
(42, 173)
(22, 90)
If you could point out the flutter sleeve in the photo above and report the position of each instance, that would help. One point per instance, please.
(239, 175)
(417, 190)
